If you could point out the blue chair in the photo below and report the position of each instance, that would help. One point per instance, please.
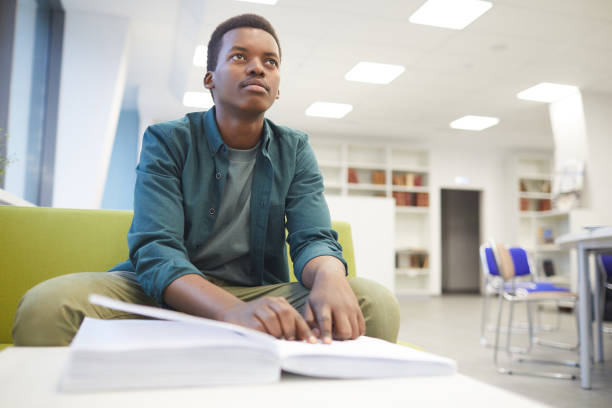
(493, 285)
(512, 264)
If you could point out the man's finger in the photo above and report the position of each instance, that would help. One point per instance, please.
(309, 315)
(270, 320)
(302, 330)
(286, 316)
(324, 322)
(342, 326)
(354, 327)
(361, 322)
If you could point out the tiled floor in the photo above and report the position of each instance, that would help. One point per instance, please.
(449, 325)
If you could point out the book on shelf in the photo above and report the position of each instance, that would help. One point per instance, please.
(418, 180)
(183, 350)
(378, 177)
(410, 179)
(544, 205)
(352, 176)
(422, 200)
(524, 204)
(415, 261)
(545, 236)
(399, 179)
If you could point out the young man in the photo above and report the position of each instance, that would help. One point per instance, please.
(214, 194)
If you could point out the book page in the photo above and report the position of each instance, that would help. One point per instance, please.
(139, 334)
(364, 357)
(165, 314)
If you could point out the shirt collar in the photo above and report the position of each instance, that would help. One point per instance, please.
(215, 142)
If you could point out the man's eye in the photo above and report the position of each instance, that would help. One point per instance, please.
(237, 57)
(273, 62)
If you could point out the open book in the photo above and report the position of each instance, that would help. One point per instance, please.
(184, 350)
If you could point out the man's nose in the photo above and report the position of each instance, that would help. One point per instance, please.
(255, 67)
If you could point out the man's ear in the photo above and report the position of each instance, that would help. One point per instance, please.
(208, 80)
(278, 94)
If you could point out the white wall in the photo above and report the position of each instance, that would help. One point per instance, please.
(488, 171)
(582, 127)
(94, 63)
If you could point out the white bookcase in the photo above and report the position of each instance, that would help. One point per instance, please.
(539, 222)
(354, 169)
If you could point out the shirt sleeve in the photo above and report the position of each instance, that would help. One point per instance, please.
(155, 239)
(308, 220)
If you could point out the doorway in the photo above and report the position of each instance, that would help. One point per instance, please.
(460, 241)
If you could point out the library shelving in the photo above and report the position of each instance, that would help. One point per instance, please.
(354, 169)
(539, 222)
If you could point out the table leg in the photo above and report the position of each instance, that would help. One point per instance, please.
(597, 310)
(584, 317)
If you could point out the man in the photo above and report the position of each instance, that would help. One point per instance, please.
(214, 193)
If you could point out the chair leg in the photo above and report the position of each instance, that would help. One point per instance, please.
(557, 344)
(509, 336)
(511, 371)
(497, 331)
(485, 315)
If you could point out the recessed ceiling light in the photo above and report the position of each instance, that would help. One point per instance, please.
(455, 14)
(329, 109)
(547, 92)
(198, 100)
(199, 56)
(374, 73)
(471, 122)
(270, 2)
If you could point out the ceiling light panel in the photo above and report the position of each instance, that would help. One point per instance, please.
(374, 73)
(472, 122)
(454, 14)
(329, 110)
(201, 100)
(269, 2)
(547, 92)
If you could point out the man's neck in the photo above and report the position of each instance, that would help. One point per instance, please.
(239, 132)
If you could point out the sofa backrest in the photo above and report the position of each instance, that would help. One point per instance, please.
(39, 243)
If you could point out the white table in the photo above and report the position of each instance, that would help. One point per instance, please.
(29, 377)
(593, 240)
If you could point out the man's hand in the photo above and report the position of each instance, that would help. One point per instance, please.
(272, 315)
(331, 308)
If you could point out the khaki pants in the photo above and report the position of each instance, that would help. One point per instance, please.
(50, 313)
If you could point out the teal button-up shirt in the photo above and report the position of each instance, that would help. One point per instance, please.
(180, 180)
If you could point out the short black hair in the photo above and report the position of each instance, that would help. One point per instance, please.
(243, 20)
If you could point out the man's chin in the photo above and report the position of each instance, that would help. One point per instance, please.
(255, 107)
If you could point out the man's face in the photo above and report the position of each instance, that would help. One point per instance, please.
(247, 75)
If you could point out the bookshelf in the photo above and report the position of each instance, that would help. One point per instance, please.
(539, 222)
(395, 171)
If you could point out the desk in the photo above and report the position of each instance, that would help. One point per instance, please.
(29, 376)
(586, 242)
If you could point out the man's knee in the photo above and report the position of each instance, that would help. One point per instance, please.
(379, 307)
(48, 314)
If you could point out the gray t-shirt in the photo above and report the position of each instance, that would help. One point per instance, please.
(226, 253)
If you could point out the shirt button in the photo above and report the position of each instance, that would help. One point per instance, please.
(218, 176)
(211, 211)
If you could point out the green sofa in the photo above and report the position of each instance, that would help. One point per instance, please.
(38, 243)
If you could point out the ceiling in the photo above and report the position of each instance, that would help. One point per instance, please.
(449, 73)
